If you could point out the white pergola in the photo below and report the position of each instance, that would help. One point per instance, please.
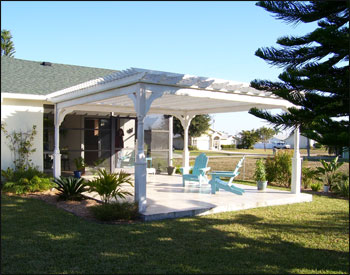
(141, 92)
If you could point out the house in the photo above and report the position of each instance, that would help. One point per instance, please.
(211, 140)
(100, 118)
(90, 134)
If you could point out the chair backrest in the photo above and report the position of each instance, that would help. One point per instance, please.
(239, 165)
(235, 172)
(200, 162)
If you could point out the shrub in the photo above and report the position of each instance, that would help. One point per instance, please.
(192, 148)
(341, 187)
(24, 180)
(318, 145)
(230, 146)
(178, 170)
(116, 211)
(316, 186)
(279, 168)
(70, 188)
(108, 185)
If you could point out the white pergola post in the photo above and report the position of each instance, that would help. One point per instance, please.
(56, 152)
(185, 122)
(142, 105)
(171, 120)
(59, 116)
(296, 164)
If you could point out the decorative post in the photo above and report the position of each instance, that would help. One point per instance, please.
(296, 164)
(56, 152)
(140, 162)
(59, 116)
(185, 122)
(142, 105)
(170, 161)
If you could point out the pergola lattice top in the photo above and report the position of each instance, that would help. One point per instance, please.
(170, 79)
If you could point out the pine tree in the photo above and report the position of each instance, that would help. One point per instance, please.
(316, 71)
(7, 46)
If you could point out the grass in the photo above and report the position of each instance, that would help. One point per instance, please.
(299, 238)
(321, 152)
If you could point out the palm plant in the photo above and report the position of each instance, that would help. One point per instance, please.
(70, 188)
(7, 47)
(108, 185)
(328, 172)
(308, 175)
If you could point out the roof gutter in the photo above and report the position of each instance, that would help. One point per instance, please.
(24, 96)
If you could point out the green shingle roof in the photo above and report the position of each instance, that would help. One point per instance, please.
(29, 77)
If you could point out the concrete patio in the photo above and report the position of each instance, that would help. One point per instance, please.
(166, 198)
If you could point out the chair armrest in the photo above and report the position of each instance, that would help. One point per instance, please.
(222, 174)
(206, 169)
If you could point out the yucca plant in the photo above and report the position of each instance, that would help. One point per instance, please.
(328, 172)
(108, 185)
(70, 188)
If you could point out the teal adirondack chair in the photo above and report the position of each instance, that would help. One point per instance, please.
(199, 170)
(217, 183)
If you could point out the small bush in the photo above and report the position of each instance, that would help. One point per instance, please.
(342, 186)
(192, 148)
(24, 180)
(231, 146)
(115, 211)
(70, 188)
(316, 186)
(178, 170)
(318, 145)
(279, 168)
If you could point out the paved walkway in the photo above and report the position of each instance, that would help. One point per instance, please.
(166, 198)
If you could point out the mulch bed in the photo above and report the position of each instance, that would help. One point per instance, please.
(78, 208)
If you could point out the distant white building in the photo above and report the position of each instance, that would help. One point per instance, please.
(302, 143)
(271, 143)
(211, 140)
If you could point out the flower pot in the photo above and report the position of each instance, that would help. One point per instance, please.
(77, 174)
(261, 185)
(171, 170)
(325, 188)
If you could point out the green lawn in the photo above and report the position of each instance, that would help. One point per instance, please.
(299, 238)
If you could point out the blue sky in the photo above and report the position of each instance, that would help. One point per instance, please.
(214, 39)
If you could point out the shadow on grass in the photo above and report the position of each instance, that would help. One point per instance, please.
(43, 239)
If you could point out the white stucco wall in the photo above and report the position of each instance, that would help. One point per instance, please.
(21, 115)
(202, 142)
(302, 144)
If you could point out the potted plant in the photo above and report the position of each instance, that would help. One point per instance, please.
(328, 173)
(171, 170)
(260, 175)
(80, 166)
